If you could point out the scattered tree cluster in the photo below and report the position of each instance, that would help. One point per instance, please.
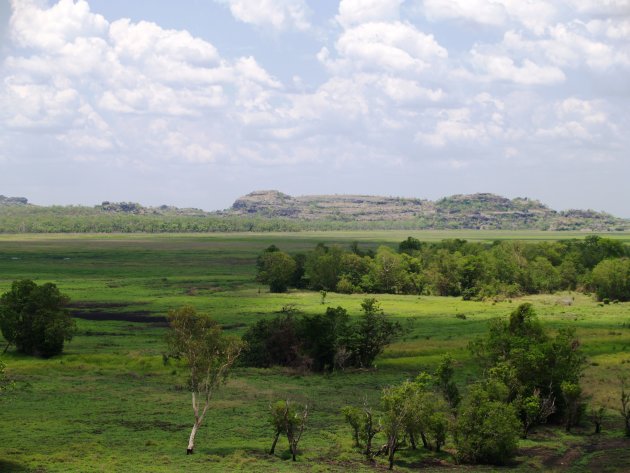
(34, 318)
(322, 342)
(530, 378)
(456, 267)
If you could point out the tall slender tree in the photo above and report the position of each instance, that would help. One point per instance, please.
(209, 355)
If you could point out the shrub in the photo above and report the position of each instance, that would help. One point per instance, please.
(487, 429)
(34, 318)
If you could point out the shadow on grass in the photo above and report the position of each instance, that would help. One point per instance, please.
(7, 466)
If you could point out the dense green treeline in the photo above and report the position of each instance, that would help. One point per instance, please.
(456, 267)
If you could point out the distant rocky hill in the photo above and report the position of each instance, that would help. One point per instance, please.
(475, 211)
(13, 200)
(275, 211)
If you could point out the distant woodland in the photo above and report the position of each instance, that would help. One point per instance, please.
(455, 267)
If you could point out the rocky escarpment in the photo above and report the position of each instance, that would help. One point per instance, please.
(472, 211)
(13, 200)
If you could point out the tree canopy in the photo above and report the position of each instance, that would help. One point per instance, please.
(34, 318)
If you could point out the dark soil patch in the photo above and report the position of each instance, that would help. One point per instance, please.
(131, 316)
(101, 305)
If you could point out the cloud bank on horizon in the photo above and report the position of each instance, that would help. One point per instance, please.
(401, 97)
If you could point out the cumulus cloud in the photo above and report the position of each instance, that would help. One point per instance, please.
(77, 76)
(496, 67)
(383, 83)
(276, 14)
(393, 46)
(533, 14)
(355, 12)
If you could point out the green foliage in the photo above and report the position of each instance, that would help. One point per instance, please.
(138, 411)
(523, 357)
(272, 342)
(611, 279)
(289, 419)
(34, 318)
(277, 269)
(324, 336)
(5, 383)
(198, 341)
(574, 404)
(445, 383)
(487, 428)
(320, 342)
(475, 271)
(372, 334)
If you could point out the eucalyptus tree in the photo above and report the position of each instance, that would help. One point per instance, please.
(209, 355)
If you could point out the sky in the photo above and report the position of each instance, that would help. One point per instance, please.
(196, 102)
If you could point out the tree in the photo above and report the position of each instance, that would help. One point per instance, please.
(572, 393)
(528, 360)
(611, 279)
(34, 318)
(397, 406)
(277, 269)
(596, 416)
(372, 334)
(487, 428)
(364, 426)
(444, 380)
(274, 342)
(198, 342)
(323, 336)
(286, 418)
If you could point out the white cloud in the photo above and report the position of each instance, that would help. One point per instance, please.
(395, 47)
(602, 7)
(533, 14)
(83, 79)
(276, 14)
(54, 27)
(355, 12)
(500, 67)
(612, 28)
(568, 45)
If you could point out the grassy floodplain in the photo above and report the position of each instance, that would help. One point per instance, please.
(109, 403)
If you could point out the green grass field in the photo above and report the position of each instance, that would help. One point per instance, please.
(109, 404)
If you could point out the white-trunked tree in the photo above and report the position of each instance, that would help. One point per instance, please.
(199, 343)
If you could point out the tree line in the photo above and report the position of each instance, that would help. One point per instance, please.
(455, 267)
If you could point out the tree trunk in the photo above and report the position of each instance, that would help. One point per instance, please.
(598, 427)
(425, 443)
(273, 445)
(392, 452)
(198, 421)
(191, 440)
(293, 452)
(368, 446)
(412, 440)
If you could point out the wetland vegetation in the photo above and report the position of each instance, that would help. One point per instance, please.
(110, 403)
